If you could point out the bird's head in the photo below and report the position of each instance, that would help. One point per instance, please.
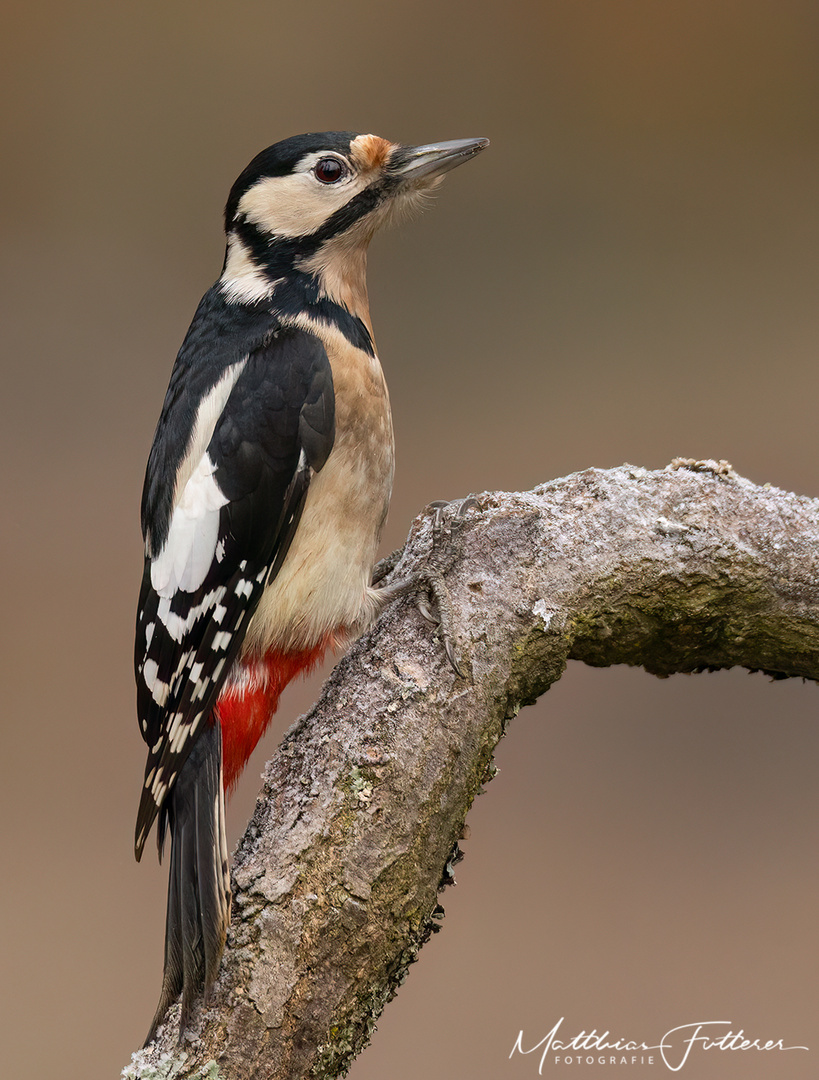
(311, 204)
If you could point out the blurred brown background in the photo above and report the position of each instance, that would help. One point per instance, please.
(629, 273)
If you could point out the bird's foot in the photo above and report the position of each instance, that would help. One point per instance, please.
(436, 606)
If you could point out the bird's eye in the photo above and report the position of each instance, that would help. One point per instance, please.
(329, 170)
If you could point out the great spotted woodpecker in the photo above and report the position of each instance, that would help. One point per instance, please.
(266, 490)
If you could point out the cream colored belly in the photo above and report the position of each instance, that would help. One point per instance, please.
(324, 583)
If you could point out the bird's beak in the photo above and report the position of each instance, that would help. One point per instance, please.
(412, 163)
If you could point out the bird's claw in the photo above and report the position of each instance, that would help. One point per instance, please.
(441, 526)
(431, 576)
(450, 655)
(427, 614)
(433, 579)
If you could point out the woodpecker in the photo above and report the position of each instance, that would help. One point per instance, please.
(266, 490)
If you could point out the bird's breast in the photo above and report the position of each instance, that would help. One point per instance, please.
(323, 586)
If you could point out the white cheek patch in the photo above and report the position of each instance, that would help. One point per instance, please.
(298, 204)
(190, 549)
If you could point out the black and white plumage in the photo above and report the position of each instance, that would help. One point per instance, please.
(211, 553)
(267, 486)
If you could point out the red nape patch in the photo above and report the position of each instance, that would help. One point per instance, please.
(246, 707)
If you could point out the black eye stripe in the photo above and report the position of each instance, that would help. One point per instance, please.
(329, 170)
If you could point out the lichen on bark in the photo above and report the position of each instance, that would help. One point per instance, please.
(336, 880)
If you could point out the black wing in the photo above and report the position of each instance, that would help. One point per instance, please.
(227, 534)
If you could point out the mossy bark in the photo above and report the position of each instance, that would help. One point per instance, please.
(336, 880)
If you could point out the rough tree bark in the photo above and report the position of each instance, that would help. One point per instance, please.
(337, 876)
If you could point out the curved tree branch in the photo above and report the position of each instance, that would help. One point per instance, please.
(337, 876)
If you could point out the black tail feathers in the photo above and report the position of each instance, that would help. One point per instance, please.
(199, 883)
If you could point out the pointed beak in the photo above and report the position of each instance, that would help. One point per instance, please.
(413, 163)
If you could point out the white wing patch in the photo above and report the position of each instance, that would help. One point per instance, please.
(190, 550)
(176, 625)
(159, 689)
(207, 416)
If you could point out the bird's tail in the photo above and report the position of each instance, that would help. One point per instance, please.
(199, 882)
